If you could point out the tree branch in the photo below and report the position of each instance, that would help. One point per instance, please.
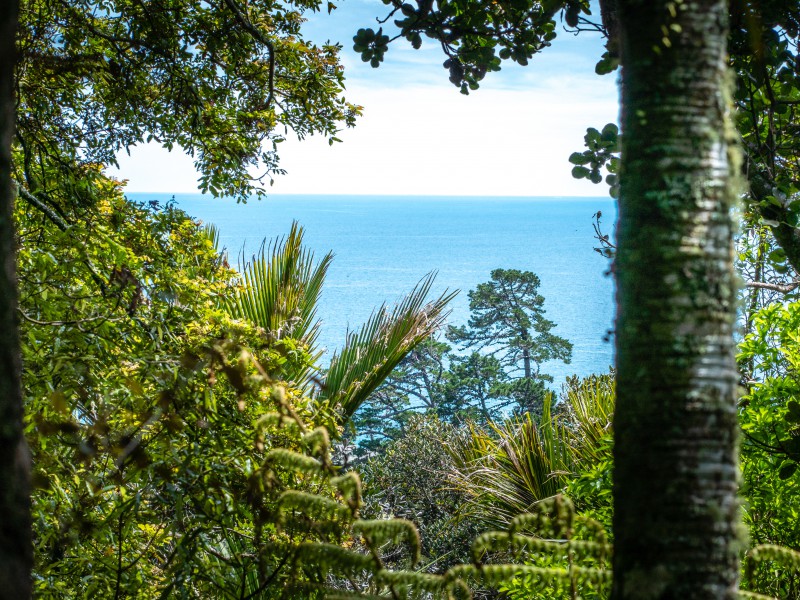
(245, 22)
(63, 225)
(783, 288)
(48, 212)
(73, 322)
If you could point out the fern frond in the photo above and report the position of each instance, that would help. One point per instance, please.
(318, 441)
(340, 595)
(556, 512)
(497, 541)
(277, 420)
(381, 531)
(349, 485)
(331, 558)
(294, 461)
(313, 506)
(413, 580)
(496, 575)
(786, 557)
(781, 554)
(745, 595)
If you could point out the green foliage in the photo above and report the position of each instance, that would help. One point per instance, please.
(773, 567)
(280, 292)
(511, 467)
(507, 469)
(176, 455)
(602, 150)
(222, 81)
(769, 417)
(475, 36)
(507, 317)
(478, 388)
(370, 355)
(763, 54)
(416, 385)
(565, 555)
(372, 45)
(509, 339)
(410, 479)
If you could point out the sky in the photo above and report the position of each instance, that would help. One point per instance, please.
(419, 136)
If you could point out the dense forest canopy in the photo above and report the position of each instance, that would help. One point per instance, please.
(182, 439)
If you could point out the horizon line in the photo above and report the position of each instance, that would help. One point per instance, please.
(368, 195)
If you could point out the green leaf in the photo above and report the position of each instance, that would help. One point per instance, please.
(579, 172)
(793, 411)
(579, 158)
(787, 470)
(606, 64)
(610, 132)
(778, 255)
(571, 15)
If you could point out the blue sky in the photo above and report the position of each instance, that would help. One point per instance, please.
(512, 137)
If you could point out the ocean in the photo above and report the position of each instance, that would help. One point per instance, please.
(384, 245)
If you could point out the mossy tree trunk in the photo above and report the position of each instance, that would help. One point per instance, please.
(16, 553)
(675, 522)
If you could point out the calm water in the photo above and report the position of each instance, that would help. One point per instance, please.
(384, 245)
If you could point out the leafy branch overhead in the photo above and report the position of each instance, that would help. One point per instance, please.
(476, 36)
(224, 82)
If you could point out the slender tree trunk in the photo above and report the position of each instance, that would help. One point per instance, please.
(676, 513)
(429, 393)
(16, 553)
(526, 352)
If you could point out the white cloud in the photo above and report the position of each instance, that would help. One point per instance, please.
(151, 168)
(422, 141)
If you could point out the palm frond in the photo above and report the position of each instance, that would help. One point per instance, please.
(281, 289)
(280, 293)
(371, 354)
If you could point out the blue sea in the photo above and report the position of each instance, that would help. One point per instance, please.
(384, 245)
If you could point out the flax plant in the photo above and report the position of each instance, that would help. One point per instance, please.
(506, 469)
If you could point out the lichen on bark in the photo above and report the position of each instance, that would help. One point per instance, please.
(676, 513)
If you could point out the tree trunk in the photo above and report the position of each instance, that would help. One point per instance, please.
(675, 471)
(16, 551)
(526, 361)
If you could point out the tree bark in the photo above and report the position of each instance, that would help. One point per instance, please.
(16, 550)
(675, 472)
(526, 354)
